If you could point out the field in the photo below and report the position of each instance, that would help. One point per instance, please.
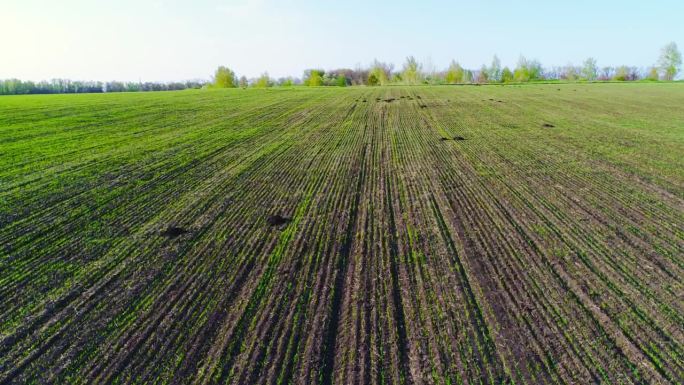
(400, 235)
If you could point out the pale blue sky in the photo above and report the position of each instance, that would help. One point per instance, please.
(165, 40)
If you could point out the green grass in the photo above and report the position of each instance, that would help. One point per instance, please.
(522, 254)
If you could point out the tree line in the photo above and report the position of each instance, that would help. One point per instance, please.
(413, 73)
(65, 86)
(379, 73)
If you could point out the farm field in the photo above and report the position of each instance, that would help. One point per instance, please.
(399, 235)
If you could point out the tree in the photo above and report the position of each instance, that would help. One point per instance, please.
(589, 69)
(286, 82)
(482, 75)
(527, 70)
(263, 81)
(670, 61)
(570, 73)
(224, 78)
(606, 73)
(507, 75)
(379, 73)
(341, 81)
(454, 74)
(494, 72)
(313, 77)
(621, 74)
(652, 74)
(243, 81)
(411, 71)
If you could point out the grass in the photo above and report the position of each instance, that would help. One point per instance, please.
(517, 253)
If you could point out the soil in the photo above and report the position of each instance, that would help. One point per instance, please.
(173, 232)
(277, 220)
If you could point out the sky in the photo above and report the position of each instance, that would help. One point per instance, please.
(175, 40)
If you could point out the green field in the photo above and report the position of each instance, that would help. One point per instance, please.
(431, 235)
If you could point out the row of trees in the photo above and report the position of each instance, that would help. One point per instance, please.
(412, 72)
(64, 86)
(379, 73)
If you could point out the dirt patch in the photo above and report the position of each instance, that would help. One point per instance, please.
(277, 220)
(173, 232)
(423, 106)
(548, 125)
(459, 138)
(443, 139)
(364, 100)
(389, 100)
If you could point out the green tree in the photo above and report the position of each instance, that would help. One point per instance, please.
(454, 74)
(507, 75)
(313, 77)
(224, 78)
(527, 70)
(341, 81)
(670, 61)
(243, 81)
(411, 71)
(286, 82)
(263, 81)
(379, 74)
(589, 69)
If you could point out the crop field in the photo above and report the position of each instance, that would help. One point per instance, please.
(393, 235)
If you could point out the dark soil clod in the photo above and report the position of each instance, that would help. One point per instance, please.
(277, 220)
(459, 138)
(443, 139)
(173, 232)
(548, 125)
(423, 106)
(389, 100)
